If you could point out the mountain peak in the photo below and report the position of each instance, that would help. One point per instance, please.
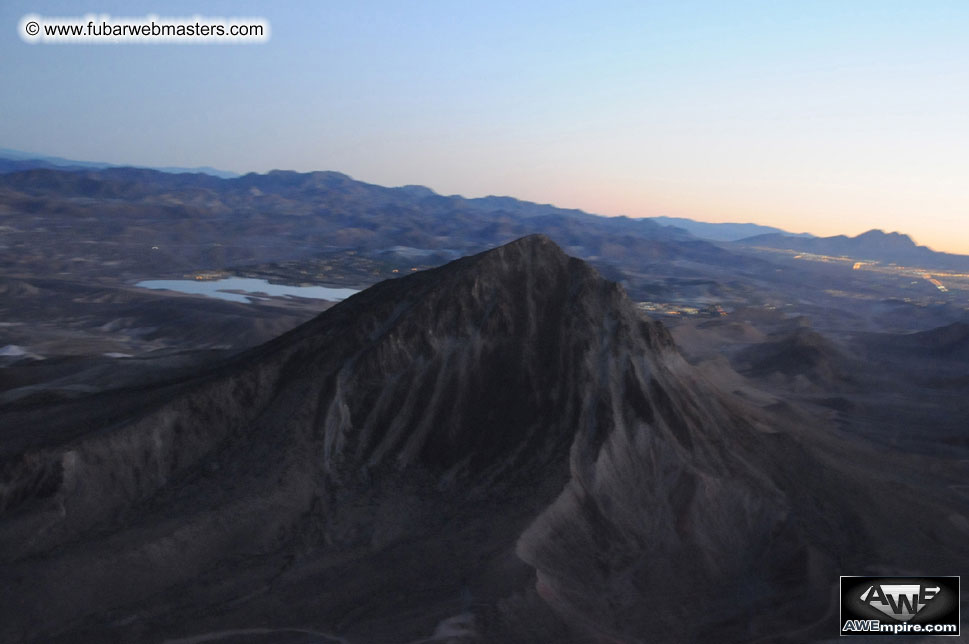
(877, 234)
(526, 258)
(536, 243)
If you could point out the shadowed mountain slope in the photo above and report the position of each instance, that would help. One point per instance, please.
(802, 352)
(501, 448)
(950, 342)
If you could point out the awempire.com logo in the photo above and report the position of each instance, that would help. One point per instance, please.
(900, 606)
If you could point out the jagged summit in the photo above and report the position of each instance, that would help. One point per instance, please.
(536, 254)
(875, 233)
(878, 237)
(530, 248)
(499, 292)
(532, 252)
(533, 243)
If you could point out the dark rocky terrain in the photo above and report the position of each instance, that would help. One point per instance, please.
(501, 449)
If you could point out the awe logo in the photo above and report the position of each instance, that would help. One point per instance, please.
(901, 601)
(923, 606)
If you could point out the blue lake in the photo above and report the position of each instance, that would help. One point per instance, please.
(250, 287)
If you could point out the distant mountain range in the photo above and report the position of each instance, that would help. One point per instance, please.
(336, 210)
(874, 245)
(197, 221)
(722, 231)
(17, 160)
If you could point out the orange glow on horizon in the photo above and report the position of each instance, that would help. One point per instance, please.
(823, 215)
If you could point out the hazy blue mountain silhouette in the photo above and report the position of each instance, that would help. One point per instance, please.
(722, 231)
(17, 160)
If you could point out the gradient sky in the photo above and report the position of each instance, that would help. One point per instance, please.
(825, 117)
